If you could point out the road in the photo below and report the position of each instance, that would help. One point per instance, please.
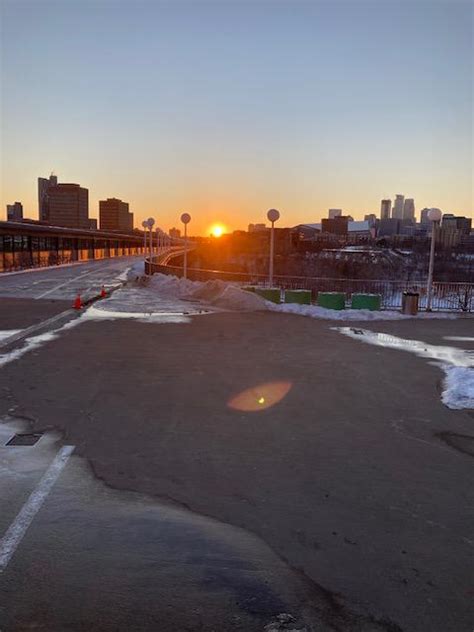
(65, 282)
(348, 503)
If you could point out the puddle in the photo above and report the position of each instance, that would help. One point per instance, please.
(457, 363)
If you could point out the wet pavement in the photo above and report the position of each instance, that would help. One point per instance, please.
(98, 559)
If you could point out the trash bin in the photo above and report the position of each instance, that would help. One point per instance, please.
(410, 303)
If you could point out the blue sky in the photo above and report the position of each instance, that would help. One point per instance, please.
(226, 109)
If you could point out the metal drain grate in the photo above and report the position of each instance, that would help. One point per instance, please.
(25, 439)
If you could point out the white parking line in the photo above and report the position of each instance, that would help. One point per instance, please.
(18, 528)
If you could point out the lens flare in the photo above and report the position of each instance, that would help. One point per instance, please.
(260, 397)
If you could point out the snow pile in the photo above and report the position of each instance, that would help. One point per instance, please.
(457, 364)
(172, 285)
(234, 298)
(226, 295)
(216, 293)
(209, 291)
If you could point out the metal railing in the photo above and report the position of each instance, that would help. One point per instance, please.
(446, 296)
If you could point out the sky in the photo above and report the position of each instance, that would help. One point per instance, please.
(226, 109)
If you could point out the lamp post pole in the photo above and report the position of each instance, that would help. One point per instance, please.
(434, 215)
(185, 218)
(144, 226)
(151, 223)
(273, 215)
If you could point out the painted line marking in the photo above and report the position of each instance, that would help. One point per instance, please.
(58, 287)
(25, 333)
(16, 531)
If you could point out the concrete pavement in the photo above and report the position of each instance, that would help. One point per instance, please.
(64, 282)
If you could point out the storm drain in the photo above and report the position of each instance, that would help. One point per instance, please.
(29, 438)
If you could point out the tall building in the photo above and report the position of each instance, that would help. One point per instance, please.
(44, 185)
(397, 212)
(388, 227)
(15, 212)
(457, 222)
(335, 225)
(371, 218)
(409, 209)
(424, 219)
(114, 215)
(68, 205)
(385, 209)
(334, 212)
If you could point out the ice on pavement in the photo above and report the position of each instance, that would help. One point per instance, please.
(457, 364)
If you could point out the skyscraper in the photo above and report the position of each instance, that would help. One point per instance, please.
(114, 215)
(409, 209)
(397, 212)
(15, 212)
(43, 186)
(424, 216)
(385, 209)
(68, 205)
(334, 212)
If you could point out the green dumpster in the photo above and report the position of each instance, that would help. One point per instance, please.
(272, 294)
(332, 300)
(302, 297)
(366, 301)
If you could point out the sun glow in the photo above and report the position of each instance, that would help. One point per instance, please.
(217, 230)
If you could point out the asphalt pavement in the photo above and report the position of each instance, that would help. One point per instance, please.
(344, 498)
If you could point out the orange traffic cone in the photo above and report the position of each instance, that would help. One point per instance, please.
(77, 302)
(103, 293)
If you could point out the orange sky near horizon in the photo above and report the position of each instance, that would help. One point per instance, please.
(236, 211)
(226, 109)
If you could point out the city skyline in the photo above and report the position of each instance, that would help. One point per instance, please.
(209, 109)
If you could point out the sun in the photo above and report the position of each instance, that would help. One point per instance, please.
(217, 230)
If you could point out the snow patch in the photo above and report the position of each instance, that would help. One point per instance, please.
(457, 364)
(314, 311)
(6, 333)
(458, 390)
(93, 313)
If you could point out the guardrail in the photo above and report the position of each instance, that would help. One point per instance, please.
(446, 296)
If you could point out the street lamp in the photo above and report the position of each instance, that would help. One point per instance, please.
(434, 215)
(185, 218)
(273, 215)
(145, 226)
(159, 240)
(151, 223)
